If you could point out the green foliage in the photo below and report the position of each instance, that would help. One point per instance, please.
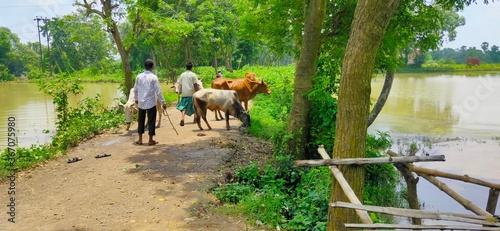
(308, 208)
(205, 74)
(88, 119)
(269, 113)
(25, 158)
(232, 193)
(4, 74)
(447, 65)
(78, 42)
(16, 59)
(279, 194)
(60, 88)
(323, 111)
(381, 180)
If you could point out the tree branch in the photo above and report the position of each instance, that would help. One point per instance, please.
(384, 94)
(88, 7)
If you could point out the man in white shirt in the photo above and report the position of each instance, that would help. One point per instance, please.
(147, 90)
(188, 82)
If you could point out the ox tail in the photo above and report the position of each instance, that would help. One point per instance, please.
(197, 109)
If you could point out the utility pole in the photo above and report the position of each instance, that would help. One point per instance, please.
(37, 19)
(48, 44)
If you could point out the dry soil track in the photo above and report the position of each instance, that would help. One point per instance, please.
(139, 187)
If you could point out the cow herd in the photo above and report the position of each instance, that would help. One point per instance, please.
(224, 95)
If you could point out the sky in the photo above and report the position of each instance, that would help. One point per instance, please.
(482, 21)
(19, 15)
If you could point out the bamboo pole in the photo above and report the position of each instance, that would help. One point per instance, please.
(464, 202)
(415, 227)
(473, 219)
(464, 178)
(363, 215)
(361, 161)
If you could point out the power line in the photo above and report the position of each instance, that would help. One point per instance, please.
(38, 19)
(27, 6)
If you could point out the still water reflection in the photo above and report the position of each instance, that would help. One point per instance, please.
(465, 106)
(440, 105)
(34, 111)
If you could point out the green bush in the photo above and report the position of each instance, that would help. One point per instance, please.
(281, 194)
(4, 74)
(86, 120)
(233, 192)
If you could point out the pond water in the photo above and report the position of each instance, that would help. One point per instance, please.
(453, 115)
(34, 111)
(420, 105)
(448, 105)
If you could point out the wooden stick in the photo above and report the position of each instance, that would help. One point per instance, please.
(361, 161)
(464, 178)
(416, 227)
(464, 202)
(473, 219)
(363, 215)
(166, 113)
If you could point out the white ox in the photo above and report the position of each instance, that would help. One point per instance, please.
(177, 85)
(130, 109)
(224, 100)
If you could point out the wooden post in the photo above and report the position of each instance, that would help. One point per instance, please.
(411, 185)
(363, 215)
(464, 202)
(464, 178)
(491, 206)
(362, 161)
(447, 216)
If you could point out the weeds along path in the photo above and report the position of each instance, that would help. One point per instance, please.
(138, 187)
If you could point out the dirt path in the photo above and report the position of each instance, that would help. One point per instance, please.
(160, 187)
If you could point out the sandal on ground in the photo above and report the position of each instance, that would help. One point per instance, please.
(182, 122)
(154, 142)
(138, 143)
(74, 159)
(102, 155)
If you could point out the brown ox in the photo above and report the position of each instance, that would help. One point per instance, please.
(247, 88)
(472, 62)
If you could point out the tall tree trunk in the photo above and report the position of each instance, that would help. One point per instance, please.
(106, 13)
(305, 71)
(229, 63)
(171, 72)
(216, 65)
(187, 51)
(384, 94)
(153, 56)
(124, 58)
(371, 18)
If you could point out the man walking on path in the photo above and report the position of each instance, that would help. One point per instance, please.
(147, 91)
(188, 83)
